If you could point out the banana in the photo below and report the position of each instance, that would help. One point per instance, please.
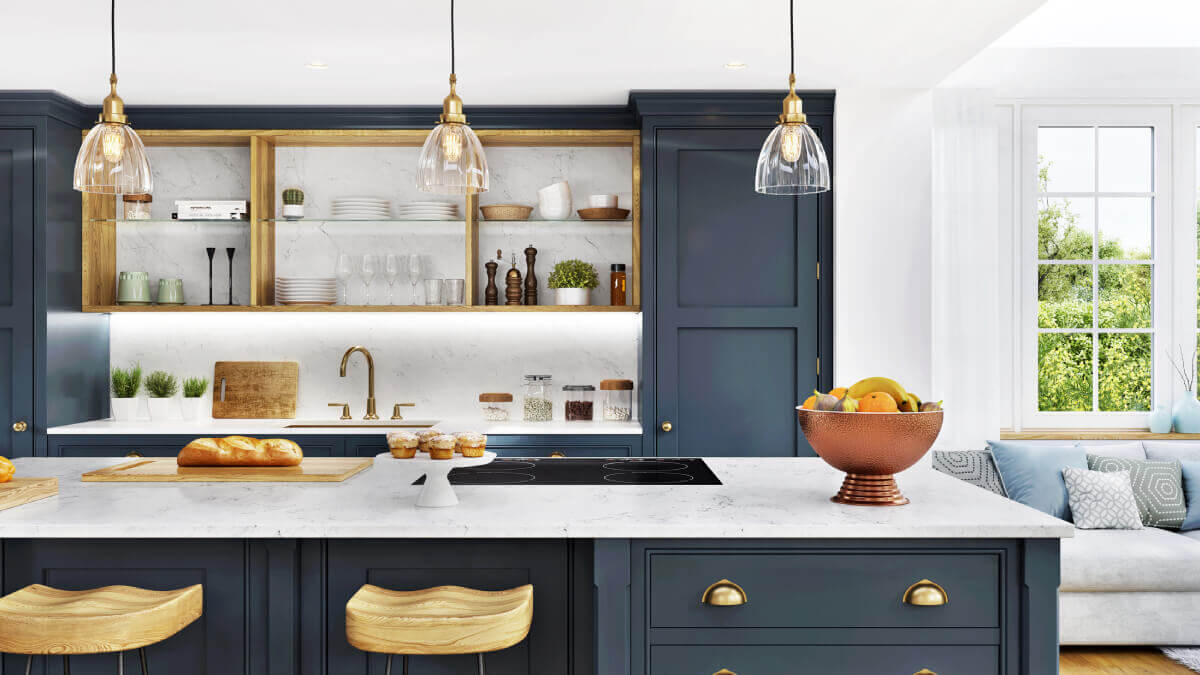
(911, 403)
(872, 384)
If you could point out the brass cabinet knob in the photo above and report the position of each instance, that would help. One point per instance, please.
(558, 453)
(924, 671)
(345, 410)
(925, 593)
(666, 426)
(20, 426)
(726, 671)
(724, 593)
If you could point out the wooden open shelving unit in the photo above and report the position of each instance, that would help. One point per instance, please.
(100, 214)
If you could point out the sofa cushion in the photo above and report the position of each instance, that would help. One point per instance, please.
(1149, 559)
(1032, 474)
(1191, 494)
(1157, 487)
(1165, 451)
(971, 466)
(1102, 500)
(1130, 450)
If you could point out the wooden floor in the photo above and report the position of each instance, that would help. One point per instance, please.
(1092, 661)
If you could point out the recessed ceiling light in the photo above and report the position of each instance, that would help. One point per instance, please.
(316, 65)
(735, 65)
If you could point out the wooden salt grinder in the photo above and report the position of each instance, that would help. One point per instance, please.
(530, 279)
(491, 294)
(512, 284)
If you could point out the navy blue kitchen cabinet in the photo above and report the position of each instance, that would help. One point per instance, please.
(158, 445)
(526, 446)
(16, 303)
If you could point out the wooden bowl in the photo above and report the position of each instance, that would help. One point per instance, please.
(870, 448)
(601, 213)
(506, 211)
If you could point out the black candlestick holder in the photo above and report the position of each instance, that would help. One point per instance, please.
(229, 252)
(211, 252)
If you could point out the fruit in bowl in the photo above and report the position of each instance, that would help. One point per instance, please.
(875, 430)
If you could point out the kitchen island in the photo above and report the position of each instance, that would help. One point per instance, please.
(619, 570)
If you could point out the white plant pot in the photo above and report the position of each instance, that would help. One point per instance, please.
(293, 211)
(573, 296)
(554, 201)
(160, 409)
(193, 408)
(124, 409)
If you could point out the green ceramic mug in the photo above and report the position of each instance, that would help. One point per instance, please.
(170, 291)
(133, 288)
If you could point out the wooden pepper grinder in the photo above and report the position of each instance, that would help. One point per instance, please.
(512, 284)
(491, 294)
(530, 279)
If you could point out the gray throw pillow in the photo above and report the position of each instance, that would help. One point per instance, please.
(1157, 488)
(1102, 500)
(971, 466)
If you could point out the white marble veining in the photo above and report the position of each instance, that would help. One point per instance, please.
(270, 428)
(759, 498)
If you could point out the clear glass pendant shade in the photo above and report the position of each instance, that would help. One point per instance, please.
(792, 162)
(113, 161)
(452, 161)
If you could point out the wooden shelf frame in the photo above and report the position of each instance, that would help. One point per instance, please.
(99, 234)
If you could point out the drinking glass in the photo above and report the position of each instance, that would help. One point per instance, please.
(391, 272)
(414, 274)
(453, 292)
(433, 291)
(345, 271)
(370, 267)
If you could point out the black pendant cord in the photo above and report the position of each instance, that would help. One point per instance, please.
(112, 15)
(791, 31)
(451, 36)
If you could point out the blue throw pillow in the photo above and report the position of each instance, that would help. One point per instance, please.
(1032, 474)
(1191, 492)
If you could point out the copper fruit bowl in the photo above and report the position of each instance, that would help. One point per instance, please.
(870, 448)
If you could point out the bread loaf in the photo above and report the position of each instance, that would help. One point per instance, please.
(240, 451)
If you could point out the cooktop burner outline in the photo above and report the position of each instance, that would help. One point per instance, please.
(494, 478)
(644, 465)
(648, 477)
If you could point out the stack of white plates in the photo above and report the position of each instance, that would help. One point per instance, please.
(306, 290)
(427, 211)
(361, 208)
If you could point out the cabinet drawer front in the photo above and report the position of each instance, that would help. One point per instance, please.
(814, 589)
(566, 450)
(840, 659)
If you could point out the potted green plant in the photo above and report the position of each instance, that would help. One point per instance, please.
(161, 387)
(193, 397)
(125, 385)
(573, 281)
(293, 203)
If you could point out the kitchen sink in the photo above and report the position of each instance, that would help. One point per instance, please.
(362, 424)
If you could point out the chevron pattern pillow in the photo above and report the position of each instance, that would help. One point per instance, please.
(972, 466)
(1101, 500)
(1157, 488)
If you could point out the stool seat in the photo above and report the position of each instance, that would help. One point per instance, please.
(42, 620)
(439, 620)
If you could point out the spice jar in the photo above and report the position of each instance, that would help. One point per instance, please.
(495, 407)
(137, 207)
(538, 401)
(580, 400)
(617, 294)
(618, 400)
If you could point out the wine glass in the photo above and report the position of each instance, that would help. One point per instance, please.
(370, 267)
(391, 272)
(414, 274)
(345, 271)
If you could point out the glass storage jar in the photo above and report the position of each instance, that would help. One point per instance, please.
(580, 402)
(137, 207)
(538, 403)
(618, 400)
(495, 407)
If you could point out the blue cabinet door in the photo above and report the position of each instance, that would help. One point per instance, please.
(16, 292)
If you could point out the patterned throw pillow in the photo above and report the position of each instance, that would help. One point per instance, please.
(1102, 500)
(1157, 488)
(972, 466)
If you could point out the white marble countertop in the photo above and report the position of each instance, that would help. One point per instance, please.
(760, 498)
(262, 428)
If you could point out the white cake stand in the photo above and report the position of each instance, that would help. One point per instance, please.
(437, 491)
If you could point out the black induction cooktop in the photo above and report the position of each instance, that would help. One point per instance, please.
(585, 471)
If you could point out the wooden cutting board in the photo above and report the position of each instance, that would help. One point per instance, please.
(165, 469)
(20, 491)
(255, 389)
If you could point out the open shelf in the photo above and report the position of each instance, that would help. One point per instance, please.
(159, 309)
(172, 221)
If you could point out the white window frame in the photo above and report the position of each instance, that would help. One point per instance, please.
(1165, 247)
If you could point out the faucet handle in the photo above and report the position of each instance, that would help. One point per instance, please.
(396, 410)
(345, 409)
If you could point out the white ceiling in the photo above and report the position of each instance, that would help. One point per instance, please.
(509, 52)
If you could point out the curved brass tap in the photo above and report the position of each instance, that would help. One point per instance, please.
(371, 414)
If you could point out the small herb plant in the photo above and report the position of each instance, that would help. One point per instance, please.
(126, 381)
(573, 274)
(194, 387)
(161, 384)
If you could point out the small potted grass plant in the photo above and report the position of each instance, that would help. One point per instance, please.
(193, 397)
(125, 385)
(573, 281)
(161, 387)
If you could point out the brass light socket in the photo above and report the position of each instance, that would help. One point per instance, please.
(452, 106)
(793, 107)
(114, 108)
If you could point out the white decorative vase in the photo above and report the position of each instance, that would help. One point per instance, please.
(573, 296)
(124, 409)
(293, 211)
(193, 408)
(554, 201)
(160, 409)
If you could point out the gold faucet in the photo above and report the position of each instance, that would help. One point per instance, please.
(371, 415)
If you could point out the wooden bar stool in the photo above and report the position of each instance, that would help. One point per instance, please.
(440, 620)
(42, 620)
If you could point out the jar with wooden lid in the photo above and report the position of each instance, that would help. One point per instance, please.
(618, 400)
(137, 207)
(495, 407)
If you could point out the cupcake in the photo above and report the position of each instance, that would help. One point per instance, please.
(425, 437)
(442, 447)
(471, 444)
(403, 444)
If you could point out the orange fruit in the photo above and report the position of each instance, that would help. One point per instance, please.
(838, 393)
(878, 402)
(6, 470)
(810, 403)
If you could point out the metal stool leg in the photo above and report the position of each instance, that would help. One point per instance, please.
(28, 664)
(481, 663)
(404, 663)
(66, 664)
(120, 663)
(387, 669)
(142, 654)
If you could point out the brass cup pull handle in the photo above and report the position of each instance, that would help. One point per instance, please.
(926, 593)
(666, 426)
(20, 426)
(924, 671)
(133, 453)
(726, 671)
(724, 593)
(558, 454)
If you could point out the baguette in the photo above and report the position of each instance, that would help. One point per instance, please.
(240, 451)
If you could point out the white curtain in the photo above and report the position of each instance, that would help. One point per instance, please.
(965, 272)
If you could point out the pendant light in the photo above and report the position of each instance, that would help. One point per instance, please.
(112, 160)
(452, 160)
(792, 161)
